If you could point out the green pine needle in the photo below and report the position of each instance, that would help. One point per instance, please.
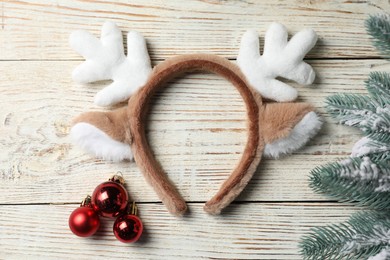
(350, 109)
(380, 137)
(378, 27)
(355, 180)
(363, 235)
(359, 111)
(368, 112)
(363, 181)
(375, 145)
(378, 85)
(381, 157)
(344, 101)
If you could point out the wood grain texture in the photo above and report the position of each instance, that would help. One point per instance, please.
(197, 131)
(197, 128)
(39, 29)
(248, 231)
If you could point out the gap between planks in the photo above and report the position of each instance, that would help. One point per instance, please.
(238, 202)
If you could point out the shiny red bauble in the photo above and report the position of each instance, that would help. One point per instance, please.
(84, 221)
(128, 228)
(109, 199)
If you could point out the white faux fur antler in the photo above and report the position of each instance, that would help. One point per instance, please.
(280, 59)
(105, 59)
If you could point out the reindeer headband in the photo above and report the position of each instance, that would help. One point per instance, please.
(274, 128)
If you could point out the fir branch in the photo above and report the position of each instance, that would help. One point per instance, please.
(382, 255)
(379, 121)
(350, 102)
(350, 109)
(359, 111)
(363, 235)
(378, 27)
(356, 180)
(381, 158)
(378, 85)
(382, 137)
(364, 181)
(374, 143)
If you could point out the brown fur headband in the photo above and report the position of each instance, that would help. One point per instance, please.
(273, 128)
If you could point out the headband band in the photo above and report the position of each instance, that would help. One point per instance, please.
(273, 128)
(138, 108)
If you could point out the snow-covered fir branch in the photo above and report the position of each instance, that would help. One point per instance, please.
(377, 144)
(363, 179)
(382, 255)
(363, 235)
(368, 112)
(357, 180)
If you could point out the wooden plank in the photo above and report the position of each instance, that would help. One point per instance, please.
(39, 30)
(246, 231)
(197, 131)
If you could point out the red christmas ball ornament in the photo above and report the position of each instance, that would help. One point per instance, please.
(84, 221)
(110, 198)
(128, 228)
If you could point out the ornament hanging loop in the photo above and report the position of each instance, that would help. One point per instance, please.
(132, 208)
(118, 177)
(86, 201)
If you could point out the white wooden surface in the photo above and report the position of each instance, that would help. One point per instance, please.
(197, 128)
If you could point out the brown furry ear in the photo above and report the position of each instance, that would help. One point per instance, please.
(287, 126)
(278, 119)
(113, 123)
(104, 134)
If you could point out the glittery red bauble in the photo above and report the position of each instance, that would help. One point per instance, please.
(109, 199)
(128, 228)
(84, 222)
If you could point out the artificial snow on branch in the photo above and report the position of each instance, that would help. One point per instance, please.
(363, 179)
(281, 58)
(106, 60)
(363, 235)
(370, 112)
(382, 255)
(357, 180)
(376, 145)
